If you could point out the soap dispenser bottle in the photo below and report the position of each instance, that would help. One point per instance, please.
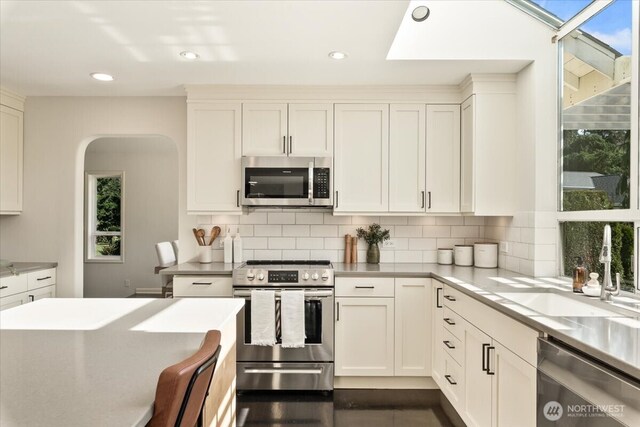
(579, 275)
(237, 247)
(228, 247)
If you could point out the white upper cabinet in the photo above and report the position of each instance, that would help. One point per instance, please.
(407, 158)
(264, 130)
(443, 159)
(310, 130)
(11, 158)
(361, 158)
(296, 130)
(489, 181)
(213, 157)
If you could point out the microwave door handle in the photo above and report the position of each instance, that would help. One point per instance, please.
(310, 183)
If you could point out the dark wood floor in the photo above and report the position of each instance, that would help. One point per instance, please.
(342, 408)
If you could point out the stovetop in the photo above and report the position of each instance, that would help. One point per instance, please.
(284, 272)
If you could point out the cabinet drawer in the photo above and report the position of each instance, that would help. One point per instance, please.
(42, 278)
(453, 298)
(13, 301)
(364, 287)
(452, 322)
(202, 286)
(11, 285)
(41, 293)
(453, 346)
(453, 382)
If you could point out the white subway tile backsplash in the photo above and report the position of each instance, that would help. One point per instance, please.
(254, 218)
(295, 230)
(421, 220)
(365, 220)
(422, 244)
(245, 230)
(282, 243)
(309, 218)
(331, 255)
(347, 229)
(408, 231)
(385, 256)
(430, 256)
(334, 243)
(281, 218)
(247, 254)
(474, 220)
(255, 243)
(323, 231)
(449, 243)
(465, 231)
(393, 220)
(436, 231)
(337, 220)
(309, 243)
(267, 230)
(296, 254)
(408, 256)
(449, 220)
(268, 254)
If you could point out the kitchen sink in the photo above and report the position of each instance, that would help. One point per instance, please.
(556, 305)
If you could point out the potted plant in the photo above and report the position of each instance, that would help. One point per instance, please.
(373, 235)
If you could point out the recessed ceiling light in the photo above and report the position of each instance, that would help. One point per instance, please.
(103, 77)
(337, 55)
(420, 13)
(189, 55)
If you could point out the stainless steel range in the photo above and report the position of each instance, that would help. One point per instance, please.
(274, 367)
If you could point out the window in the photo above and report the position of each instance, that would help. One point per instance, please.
(598, 116)
(105, 217)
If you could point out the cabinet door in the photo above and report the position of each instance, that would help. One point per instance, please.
(407, 158)
(46, 292)
(264, 130)
(412, 338)
(11, 151)
(364, 337)
(310, 130)
(438, 352)
(443, 158)
(477, 411)
(13, 301)
(513, 378)
(467, 190)
(213, 158)
(361, 157)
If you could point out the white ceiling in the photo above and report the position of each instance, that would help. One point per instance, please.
(51, 47)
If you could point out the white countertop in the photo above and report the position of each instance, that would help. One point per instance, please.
(96, 362)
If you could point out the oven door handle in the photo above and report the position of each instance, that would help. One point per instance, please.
(241, 293)
(317, 371)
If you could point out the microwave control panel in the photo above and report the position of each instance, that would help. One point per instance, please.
(321, 183)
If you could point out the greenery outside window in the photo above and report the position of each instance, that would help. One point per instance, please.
(104, 217)
(599, 180)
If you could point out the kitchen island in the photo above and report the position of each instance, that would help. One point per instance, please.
(96, 362)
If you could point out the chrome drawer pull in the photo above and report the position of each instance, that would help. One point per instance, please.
(449, 345)
(449, 321)
(449, 298)
(44, 278)
(365, 287)
(452, 382)
(202, 283)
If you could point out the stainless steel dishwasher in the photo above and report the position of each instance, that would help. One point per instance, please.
(575, 390)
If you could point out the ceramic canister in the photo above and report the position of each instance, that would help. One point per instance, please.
(445, 256)
(485, 255)
(463, 255)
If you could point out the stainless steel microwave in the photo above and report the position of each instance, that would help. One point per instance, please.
(287, 181)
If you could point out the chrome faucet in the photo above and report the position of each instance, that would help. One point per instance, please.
(605, 258)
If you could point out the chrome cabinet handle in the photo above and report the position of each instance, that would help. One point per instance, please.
(489, 348)
(336, 199)
(284, 144)
(238, 198)
(429, 199)
(448, 321)
(438, 291)
(452, 382)
(290, 144)
(448, 344)
(44, 278)
(202, 283)
(338, 312)
(449, 298)
(422, 199)
(365, 287)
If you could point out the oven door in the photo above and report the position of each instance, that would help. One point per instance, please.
(318, 307)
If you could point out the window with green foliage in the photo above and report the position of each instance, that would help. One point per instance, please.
(105, 193)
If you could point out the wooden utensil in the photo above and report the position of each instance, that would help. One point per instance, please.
(195, 233)
(201, 240)
(347, 249)
(354, 249)
(215, 232)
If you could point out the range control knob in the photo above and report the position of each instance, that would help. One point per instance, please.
(250, 275)
(260, 276)
(325, 276)
(305, 276)
(315, 276)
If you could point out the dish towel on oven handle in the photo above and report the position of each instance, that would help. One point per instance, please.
(263, 318)
(292, 316)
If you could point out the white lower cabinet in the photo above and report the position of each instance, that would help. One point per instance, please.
(483, 361)
(27, 287)
(380, 327)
